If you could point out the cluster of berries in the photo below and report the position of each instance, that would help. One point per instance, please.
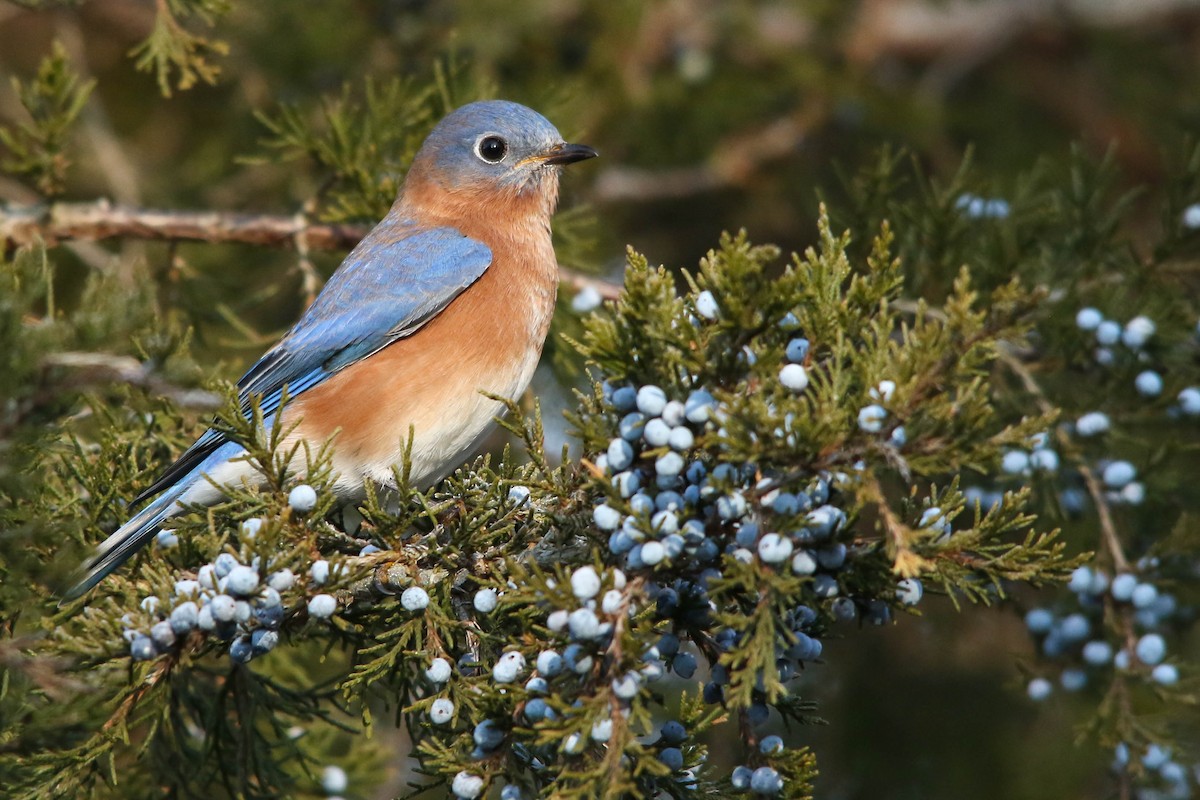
(1161, 777)
(664, 508)
(1130, 343)
(1076, 641)
(235, 598)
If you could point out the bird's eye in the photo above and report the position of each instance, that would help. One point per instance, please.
(492, 149)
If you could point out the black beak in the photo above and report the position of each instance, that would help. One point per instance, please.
(568, 154)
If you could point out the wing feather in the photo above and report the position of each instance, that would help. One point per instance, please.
(385, 290)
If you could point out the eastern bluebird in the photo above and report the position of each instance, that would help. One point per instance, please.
(449, 297)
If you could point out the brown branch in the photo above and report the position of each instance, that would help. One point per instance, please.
(95, 369)
(735, 161)
(905, 562)
(101, 220)
(1108, 527)
(47, 672)
(310, 280)
(926, 30)
(82, 371)
(579, 281)
(130, 703)
(98, 221)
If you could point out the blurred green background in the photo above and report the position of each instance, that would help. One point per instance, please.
(709, 116)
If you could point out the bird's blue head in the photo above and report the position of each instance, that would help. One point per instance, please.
(495, 146)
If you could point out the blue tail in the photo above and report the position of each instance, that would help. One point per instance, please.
(133, 535)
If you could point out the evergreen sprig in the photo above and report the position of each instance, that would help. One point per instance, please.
(178, 57)
(38, 148)
(361, 140)
(555, 623)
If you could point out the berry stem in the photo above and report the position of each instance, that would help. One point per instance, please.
(1110, 541)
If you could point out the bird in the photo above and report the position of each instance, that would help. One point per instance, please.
(441, 308)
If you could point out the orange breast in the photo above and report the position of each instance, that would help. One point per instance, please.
(488, 339)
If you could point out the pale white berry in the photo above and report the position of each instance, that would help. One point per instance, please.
(585, 583)
(322, 606)
(302, 499)
(794, 377)
(414, 598)
(441, 711)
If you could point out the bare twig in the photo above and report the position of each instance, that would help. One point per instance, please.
(310, 280)
(734, 162)
(49, 673)
(94, 369)
(101, 220)
(1108, 528)
(579, 281)
(905, 562)
(923, 29)
(81, 371)
(119, 717)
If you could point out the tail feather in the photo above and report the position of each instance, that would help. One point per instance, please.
(133, 535)
(127, 540)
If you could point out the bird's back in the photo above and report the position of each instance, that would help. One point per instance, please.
(487, 340)
(447, 300)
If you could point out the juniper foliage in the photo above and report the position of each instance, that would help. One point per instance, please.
(362, 140)
(178, 57)
(607, 621)
(37, 147)
(474, 532)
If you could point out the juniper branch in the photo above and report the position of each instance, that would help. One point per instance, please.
(1108, 528)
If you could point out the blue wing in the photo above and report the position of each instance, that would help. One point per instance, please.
(386, 289)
